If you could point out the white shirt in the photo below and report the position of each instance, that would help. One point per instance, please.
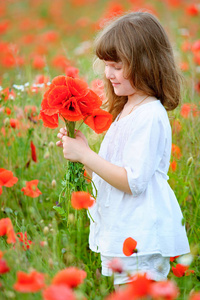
(141, 143)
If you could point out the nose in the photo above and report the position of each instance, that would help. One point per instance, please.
(109, 72)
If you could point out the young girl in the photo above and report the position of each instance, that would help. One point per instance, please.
(130, 172)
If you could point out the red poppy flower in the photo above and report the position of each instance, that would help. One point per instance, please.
(71, 72)
(6, 178)
(71, 110)
(98, 87)
(195, 296)
(24, 241)
(38, 62)
(31, 189)
(50, 121)
(99, 121)
(58, 292)
(70, 277)
(176, 151)
(78, 88)
(173, 258)
(173, 165)
(33, 152)
(187, 109)
(3, 267)
(129, 246)
(7, 94)
(89, 103)
(192, 10)
(57, 96)
(6, 228)
(164, 290)
(116, 265)
(179, 270)
(81, 200)
(60, 61)
(141, 285)
(29, 283)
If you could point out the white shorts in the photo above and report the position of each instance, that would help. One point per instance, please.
(156, 266)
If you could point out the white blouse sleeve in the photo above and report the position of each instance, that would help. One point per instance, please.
(143, 150)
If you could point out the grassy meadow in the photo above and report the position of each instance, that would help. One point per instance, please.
(41, 39)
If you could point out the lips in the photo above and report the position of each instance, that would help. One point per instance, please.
(114, 83)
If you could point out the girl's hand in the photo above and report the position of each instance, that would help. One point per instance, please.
(73, 148)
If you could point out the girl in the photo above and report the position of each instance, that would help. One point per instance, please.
(130, 172)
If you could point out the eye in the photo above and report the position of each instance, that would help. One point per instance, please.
(118, 68)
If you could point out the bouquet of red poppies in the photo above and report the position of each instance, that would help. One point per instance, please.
(72, 100)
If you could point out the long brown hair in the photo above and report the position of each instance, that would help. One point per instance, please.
(140, 42)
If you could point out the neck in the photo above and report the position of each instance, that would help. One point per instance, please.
(135, 98)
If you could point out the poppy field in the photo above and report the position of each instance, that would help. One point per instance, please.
(46, 47)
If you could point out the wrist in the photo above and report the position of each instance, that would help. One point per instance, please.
(86, 157)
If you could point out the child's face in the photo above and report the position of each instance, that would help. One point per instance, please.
(115, 73)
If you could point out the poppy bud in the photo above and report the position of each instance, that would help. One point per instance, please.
(190, 161)
(71, 218)
(53, 183)
(7, 122)
(51, 145)
(46, 155)
(51, 263)
(46, 230)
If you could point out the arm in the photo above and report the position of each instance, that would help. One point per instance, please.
(78, 150)
(114, 175)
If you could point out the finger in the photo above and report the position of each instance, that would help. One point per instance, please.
(60, 135)
(59, 144)
(63, 131)
(64, 138)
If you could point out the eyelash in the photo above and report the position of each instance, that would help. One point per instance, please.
(118, 69)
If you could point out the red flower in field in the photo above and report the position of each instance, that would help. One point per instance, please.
(195, 296)
(99, 121)
(39, 79)
(3, 267)
(60, 61)
(6, 228)
(98, 87)
(81, 200)
(70, 277)
(129, 246)
(38, 62)
(7, 94)
(14, 123)
(122, 294)
(29, 283)
(173, 258)
(192, 10)
(58, 292)
(31, 189)
(187, 109)
(164, 290)
(140, 285)
(24, 241)
(179, 270)
(33, 152)
(176, 151)
(71, 72)
(173, 165)
(116, 265)
(6, 178)
(8, 111)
